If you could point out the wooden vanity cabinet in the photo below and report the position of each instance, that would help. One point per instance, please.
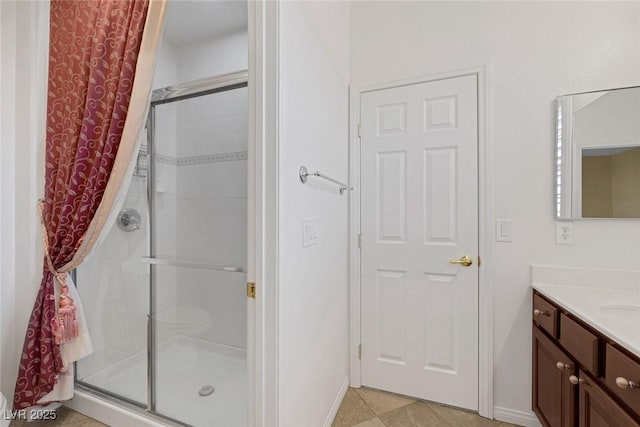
(554, 397)
(575, 370)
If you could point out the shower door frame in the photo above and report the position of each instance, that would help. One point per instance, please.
(202, 87)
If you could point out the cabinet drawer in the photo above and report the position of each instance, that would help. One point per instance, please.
(620, 367)
(580, 343)
(545, 315)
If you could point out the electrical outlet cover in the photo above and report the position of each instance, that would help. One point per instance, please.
(564, 233)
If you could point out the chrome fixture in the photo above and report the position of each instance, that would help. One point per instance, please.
(191, 264)
(206, 390)
(304, 173)
(129, 220)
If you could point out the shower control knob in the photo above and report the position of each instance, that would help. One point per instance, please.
(129, 220)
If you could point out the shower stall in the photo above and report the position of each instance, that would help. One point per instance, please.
(165, 291)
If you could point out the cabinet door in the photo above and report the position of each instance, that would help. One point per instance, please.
(554, 397)
(597, 409)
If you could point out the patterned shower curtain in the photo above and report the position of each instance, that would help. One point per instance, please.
(101, 62)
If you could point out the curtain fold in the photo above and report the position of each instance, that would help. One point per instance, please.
(101, 63)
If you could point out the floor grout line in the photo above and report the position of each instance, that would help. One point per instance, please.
(367, 405)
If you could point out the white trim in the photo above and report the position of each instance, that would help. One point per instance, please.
(485, 223)
(485, 243)
(263, 84)
(525, 419)
(336, 403)
(354, 241)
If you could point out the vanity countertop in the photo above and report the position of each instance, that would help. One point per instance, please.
(613, 312)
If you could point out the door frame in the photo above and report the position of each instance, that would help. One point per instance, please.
(262, 230)
(485, 229)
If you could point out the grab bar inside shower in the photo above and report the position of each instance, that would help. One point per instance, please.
(191, 264)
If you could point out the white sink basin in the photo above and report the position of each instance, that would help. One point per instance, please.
(622, 312)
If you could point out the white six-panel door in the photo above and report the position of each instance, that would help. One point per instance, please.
(419, 210)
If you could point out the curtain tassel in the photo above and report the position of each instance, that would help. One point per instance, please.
(65, 324)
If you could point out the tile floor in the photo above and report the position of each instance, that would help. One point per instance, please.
(362, 407)
(366, 407)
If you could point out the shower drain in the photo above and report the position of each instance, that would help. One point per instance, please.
(206, 390)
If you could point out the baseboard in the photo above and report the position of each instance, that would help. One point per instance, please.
(526, 419)
(336, 403)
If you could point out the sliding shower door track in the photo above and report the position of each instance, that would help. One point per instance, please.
(128, 405)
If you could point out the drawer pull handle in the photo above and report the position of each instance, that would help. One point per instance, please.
(575, 380)
(537, 312)
(624, 383)
(562, 366)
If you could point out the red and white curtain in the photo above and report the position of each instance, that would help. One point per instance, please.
(101, 64)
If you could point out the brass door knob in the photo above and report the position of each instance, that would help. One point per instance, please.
(562, 366)
(537, 312)
(465, 261)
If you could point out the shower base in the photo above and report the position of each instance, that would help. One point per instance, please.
(183, 366)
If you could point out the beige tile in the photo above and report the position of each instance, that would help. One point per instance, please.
(457, 417)
(373, 422)
(417, 414)
(352, 411)
(382, 402)
(508, 425)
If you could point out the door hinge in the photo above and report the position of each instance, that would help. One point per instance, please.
(359, 130)
(251, 290)
(359, 351)
(359, 240)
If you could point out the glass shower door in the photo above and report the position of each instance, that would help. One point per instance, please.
(198, 255)
(114, 288)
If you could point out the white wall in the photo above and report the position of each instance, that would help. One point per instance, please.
(23, 85)
(5, 74)
(209, 58)
(313, 287)
(533, 52)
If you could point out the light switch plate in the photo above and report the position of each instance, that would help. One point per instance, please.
(310, 232)
(503, 230)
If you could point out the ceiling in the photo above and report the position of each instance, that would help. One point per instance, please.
(189, 21)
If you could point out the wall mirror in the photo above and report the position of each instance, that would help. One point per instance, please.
(598, 154)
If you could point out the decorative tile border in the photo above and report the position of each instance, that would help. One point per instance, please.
(205, 158)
